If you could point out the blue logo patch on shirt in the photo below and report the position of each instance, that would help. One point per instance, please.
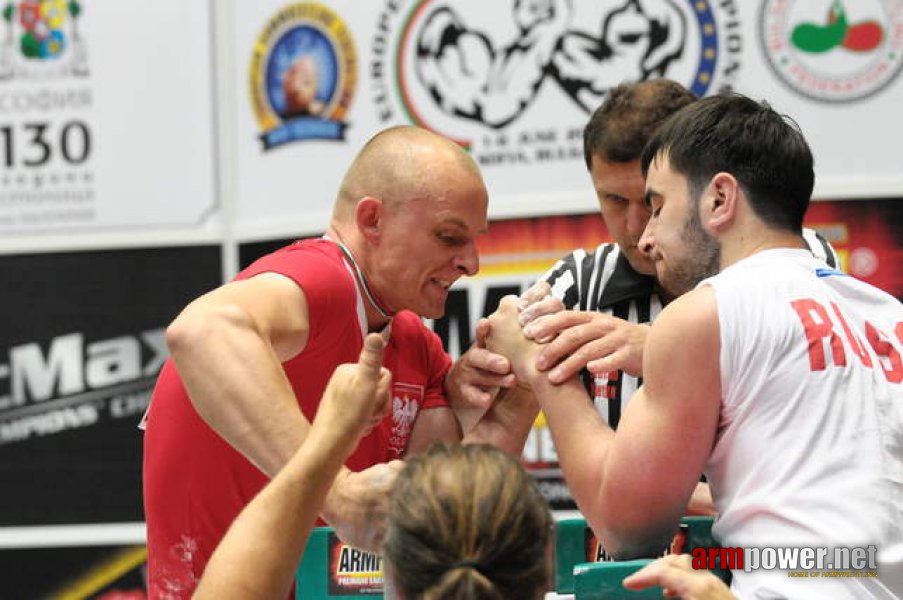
(829, 273)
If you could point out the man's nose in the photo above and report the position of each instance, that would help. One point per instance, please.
(637, 217)
(469, 260)
(647, 241)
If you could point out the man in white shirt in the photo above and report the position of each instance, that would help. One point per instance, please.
(773, 373)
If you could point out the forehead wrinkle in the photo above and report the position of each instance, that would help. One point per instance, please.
(452, 219)
(460, 223)
(456, 221)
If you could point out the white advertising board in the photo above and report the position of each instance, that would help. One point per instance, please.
(106, 115)
(515, 84)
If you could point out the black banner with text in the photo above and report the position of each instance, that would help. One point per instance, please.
(82, 343)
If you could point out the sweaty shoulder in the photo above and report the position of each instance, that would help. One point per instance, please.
(314, 264)
(683, 344)
(318, 268)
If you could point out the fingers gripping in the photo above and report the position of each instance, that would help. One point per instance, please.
(537, 292)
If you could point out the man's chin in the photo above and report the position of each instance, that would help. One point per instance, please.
(436, 314)
(641, 264)
(430, 312)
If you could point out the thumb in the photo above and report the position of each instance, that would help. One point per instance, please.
(371, 358)
(482, 332)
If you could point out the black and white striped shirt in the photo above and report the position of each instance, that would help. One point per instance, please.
(603, 281)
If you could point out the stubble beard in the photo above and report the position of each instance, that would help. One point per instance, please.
(701, 260)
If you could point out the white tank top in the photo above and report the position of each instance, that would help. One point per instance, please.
(809, 448)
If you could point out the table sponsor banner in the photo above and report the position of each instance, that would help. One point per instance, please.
(515, 82)
(106, 115)
(80, 349)
(332, 569)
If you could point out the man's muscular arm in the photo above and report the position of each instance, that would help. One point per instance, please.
(632, 509)
(490, 406)
(507, 423)
(228, 347)
(599, 342)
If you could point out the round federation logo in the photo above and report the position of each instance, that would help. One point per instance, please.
(833, 50)
(302, 76)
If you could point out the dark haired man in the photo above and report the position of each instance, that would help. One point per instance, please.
(775, 374)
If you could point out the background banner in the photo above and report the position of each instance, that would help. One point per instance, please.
(80, 349)
(515, 83)
(106, 115)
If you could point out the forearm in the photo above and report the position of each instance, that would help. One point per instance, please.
(628, 526)
(466, 413)
(437, 424)
(519, 69)
(581, 440)
(507, 423)
(259, 554)
(541, 33)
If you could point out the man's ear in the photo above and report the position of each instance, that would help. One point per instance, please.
(723, 196)
(369, 216)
